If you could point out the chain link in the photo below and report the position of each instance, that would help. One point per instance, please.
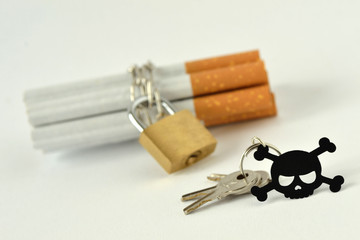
(143, 85)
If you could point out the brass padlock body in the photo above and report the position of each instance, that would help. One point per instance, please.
(177, 141)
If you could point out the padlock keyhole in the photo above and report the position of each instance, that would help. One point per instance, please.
(193, 158)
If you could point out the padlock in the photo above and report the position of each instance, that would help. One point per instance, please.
(175, 141)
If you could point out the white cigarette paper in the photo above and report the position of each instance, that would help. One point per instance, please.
(98, 96)
(74, 88)
(89, 132)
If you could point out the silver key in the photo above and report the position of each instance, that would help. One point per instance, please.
(263, 179)
(228, 184)
(262, 176)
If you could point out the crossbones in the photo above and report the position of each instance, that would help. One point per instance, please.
(297, 167)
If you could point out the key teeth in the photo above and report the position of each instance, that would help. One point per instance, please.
(327, 145)
(336, 183)
(261, 152)
(258, 193)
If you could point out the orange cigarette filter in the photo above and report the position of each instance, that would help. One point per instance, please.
(222, 61)
(223, 79)
(235, 106)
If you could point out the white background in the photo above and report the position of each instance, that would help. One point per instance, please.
(311, 50)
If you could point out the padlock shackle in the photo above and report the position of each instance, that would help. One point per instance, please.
(169, 108)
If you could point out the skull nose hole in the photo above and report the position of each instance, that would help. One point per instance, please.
(297, 187)
(193, 158)
(242, 176)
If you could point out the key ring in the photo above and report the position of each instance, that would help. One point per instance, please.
(252, 147)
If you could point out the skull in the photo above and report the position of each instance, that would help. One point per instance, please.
(296, 174)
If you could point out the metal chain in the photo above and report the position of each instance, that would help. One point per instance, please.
(143, 85)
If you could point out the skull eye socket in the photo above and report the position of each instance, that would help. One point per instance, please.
(308, 178)
(285, 180)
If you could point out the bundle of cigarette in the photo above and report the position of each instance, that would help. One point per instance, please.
(93, 112)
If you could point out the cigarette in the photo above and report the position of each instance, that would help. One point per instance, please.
(115, 97)
(221, 108)
(162, 72)
(222, 61)
(235, 106)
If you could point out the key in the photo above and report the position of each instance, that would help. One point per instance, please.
(263, 179)
(216, 176)
(197, 194)
(228, 184)
(213, 177)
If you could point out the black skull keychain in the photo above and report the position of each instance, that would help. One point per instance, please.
(301, 169)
